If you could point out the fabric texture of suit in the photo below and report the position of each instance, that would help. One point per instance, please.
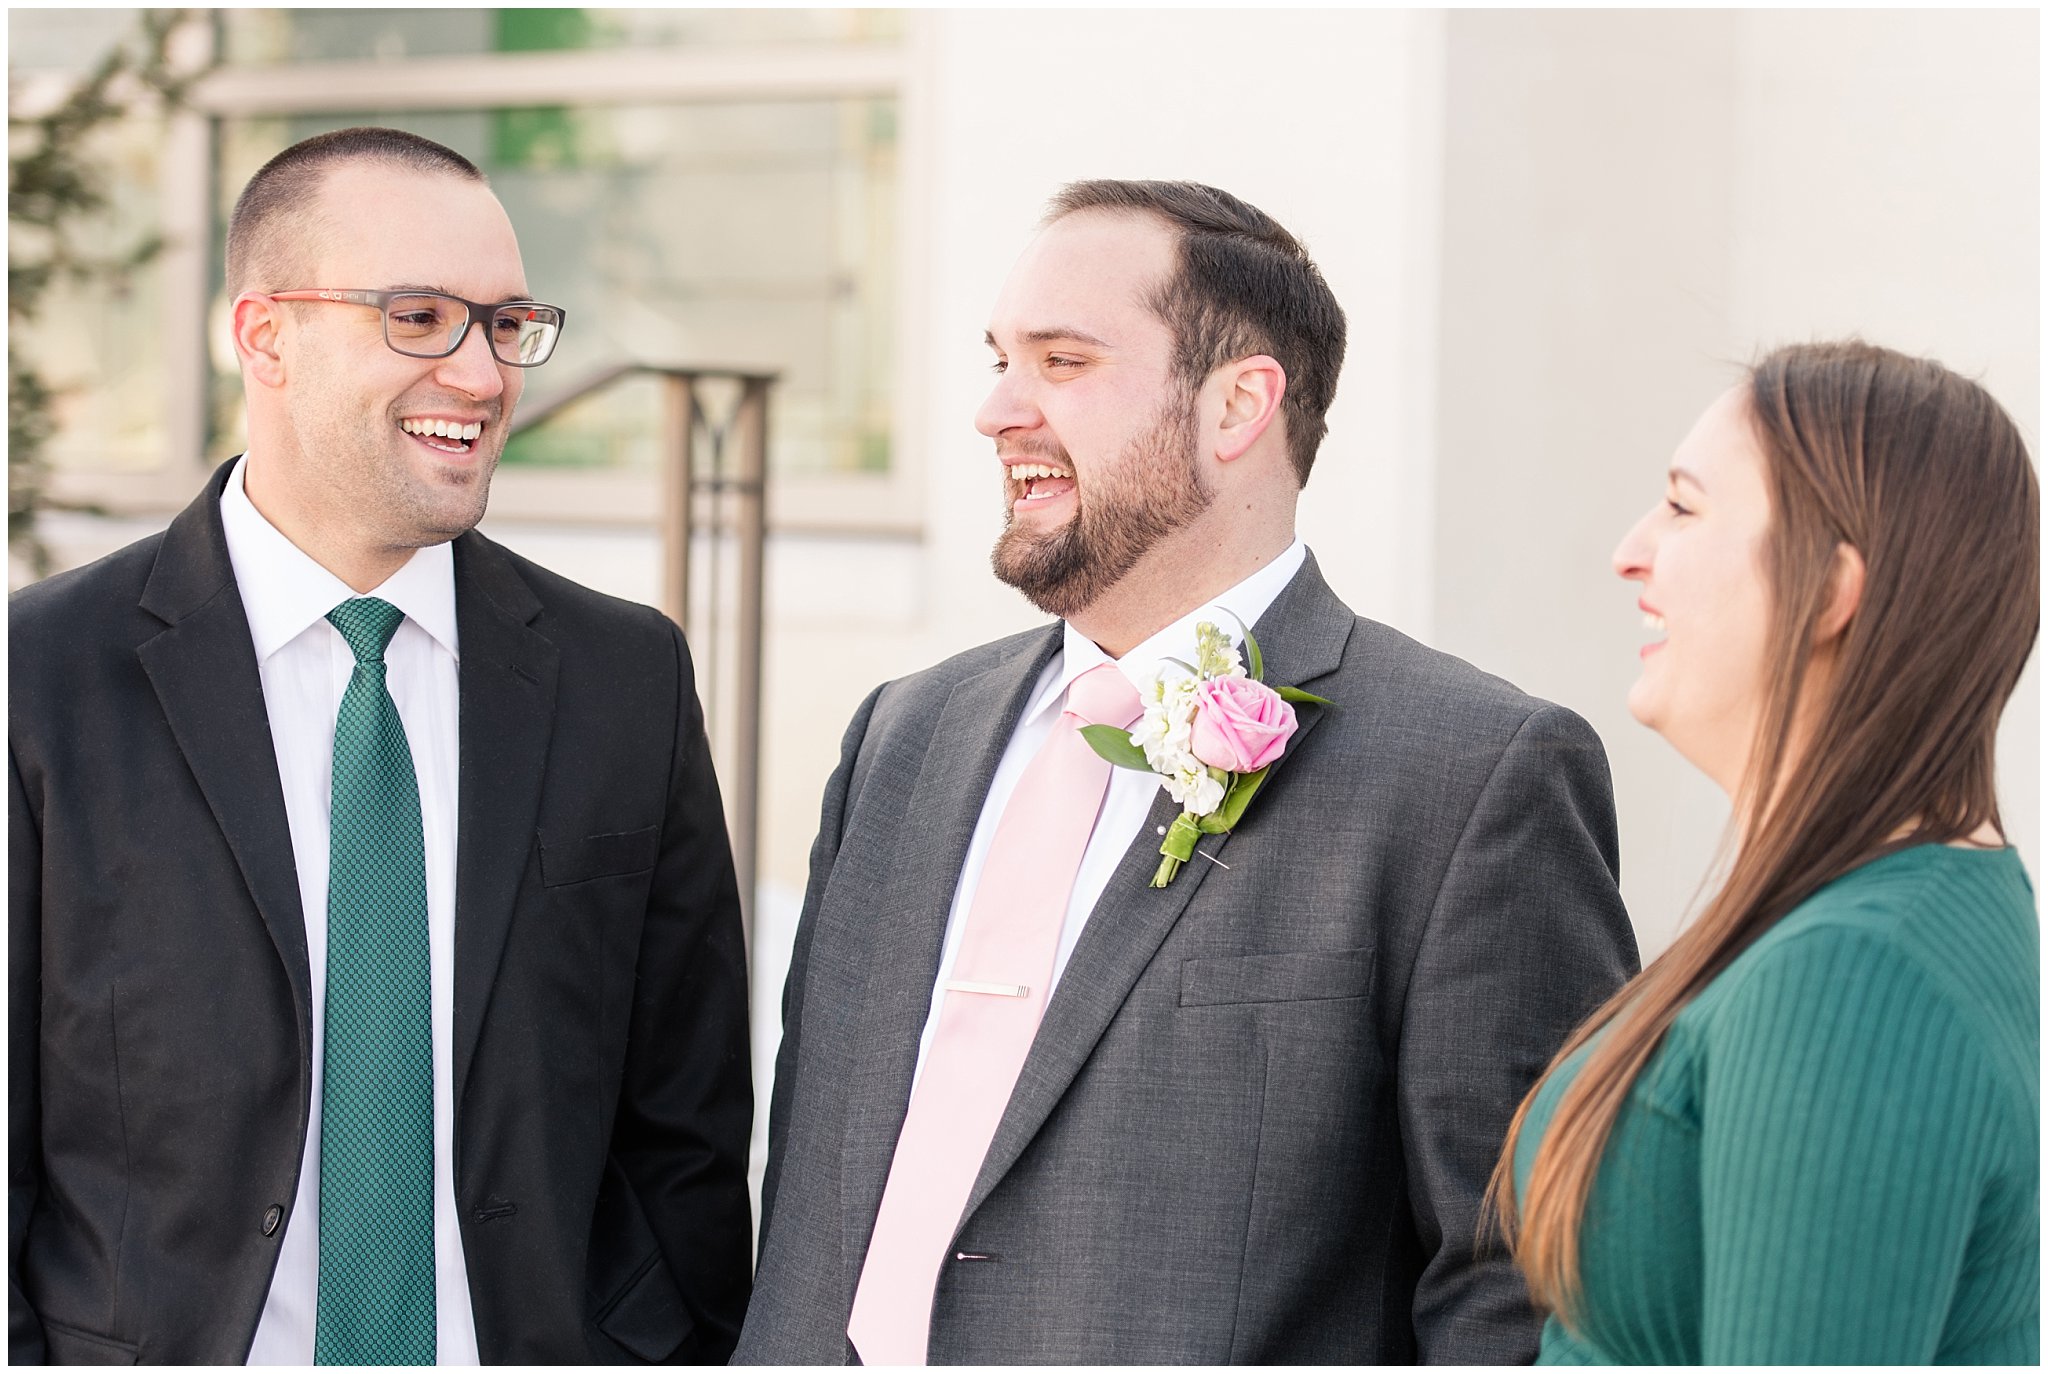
(1263, 1104)
(160, 1070)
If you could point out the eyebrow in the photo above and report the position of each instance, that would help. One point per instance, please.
(1058, 334)
(444, 291)
(1684, 474)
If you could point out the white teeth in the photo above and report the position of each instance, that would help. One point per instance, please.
(1654, 622)
(1027, 472)
(442, 429)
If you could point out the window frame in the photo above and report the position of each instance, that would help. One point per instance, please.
(856, 503)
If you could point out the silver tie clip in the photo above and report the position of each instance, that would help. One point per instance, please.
(991, 989)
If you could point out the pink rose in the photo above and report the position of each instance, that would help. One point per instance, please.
(1240, 725)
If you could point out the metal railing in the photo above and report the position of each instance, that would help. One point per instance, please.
(713, 528)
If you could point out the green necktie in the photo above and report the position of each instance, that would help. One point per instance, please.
(377, 1115)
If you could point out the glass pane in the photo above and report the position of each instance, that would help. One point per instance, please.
(254, 37)
(68, 40)
(757, 235)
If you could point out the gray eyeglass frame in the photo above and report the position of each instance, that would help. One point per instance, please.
(479, 313)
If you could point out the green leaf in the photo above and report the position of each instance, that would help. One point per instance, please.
(1114, 744)
(1295, 694)
(1242, 789)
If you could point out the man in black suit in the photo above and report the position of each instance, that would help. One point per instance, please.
(376, 982)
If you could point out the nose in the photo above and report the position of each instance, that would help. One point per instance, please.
(1633, 554)
(1006, 408)
(473, 369)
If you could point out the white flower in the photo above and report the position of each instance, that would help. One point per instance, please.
(1166, 730)
(1167, 727)
(1194, 787)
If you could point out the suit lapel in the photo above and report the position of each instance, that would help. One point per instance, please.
(965, 745)
(203, 669)
(1302, 637)
(507, 695)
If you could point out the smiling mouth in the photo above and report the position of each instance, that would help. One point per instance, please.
(446, 436)
(1039, 481)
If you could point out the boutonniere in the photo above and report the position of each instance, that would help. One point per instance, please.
(1211, 731)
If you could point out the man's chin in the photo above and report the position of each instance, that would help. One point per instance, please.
(455, 495)
(447, 515)
(1043, 576)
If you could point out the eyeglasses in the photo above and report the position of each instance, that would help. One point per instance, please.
(427, 324)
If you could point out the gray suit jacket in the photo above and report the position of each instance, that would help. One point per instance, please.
(1260, 1112)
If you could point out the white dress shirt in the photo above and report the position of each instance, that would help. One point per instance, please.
(1131, 793)
(305, 666)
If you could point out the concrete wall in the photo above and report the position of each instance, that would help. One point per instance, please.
(1324, 119)
(1555, 234)
(1634, 203)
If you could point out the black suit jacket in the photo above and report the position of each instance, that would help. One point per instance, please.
(159, 1012)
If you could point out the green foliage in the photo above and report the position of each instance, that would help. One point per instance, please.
(1114, 744)
(1243, 787)
(55, 189)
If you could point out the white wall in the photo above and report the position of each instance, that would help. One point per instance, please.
(1555, 234)
(1634, 204)
(1905, 206)
(1323, 119)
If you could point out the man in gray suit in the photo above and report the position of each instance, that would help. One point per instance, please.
(1031, 1107)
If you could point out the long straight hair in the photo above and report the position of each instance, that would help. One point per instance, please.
(1922, 473)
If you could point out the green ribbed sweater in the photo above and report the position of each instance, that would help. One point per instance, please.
(1834, 1157)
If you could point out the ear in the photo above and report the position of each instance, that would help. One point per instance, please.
(258, 324)
(1252, 391)
(1845, 594)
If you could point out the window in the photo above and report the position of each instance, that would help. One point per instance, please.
(696, 187)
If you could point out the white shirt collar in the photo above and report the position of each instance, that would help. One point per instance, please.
(284, 591)
(1246, 601)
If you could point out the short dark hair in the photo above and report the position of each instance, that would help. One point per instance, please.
(1244, 285)
(281, 196)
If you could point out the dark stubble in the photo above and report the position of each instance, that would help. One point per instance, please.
(1153, 488)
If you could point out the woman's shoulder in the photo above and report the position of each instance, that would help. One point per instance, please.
(1921, 878)
(1932, 930)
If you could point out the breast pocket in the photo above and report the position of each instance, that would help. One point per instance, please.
(1308, 976)
(598, 856)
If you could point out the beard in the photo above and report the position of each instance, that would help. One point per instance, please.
(1152, 489)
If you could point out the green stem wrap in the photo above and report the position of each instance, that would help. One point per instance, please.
(1177, 848)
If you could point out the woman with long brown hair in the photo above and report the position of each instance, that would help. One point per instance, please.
(1810, 1131)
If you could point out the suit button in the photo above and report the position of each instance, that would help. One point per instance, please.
(272, 1215)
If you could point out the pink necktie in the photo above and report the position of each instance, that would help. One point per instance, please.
(995, 996)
